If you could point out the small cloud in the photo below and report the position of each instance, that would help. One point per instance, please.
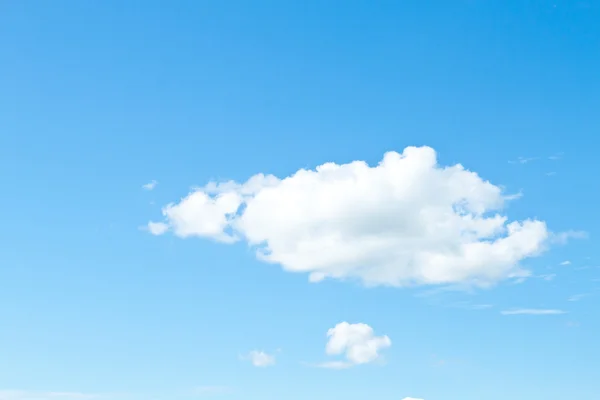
(357, 342)
(577, 297)
(532, 311)
(150, 185)
(556, 157)
(412, 398)
(547, 277)
(523, 160)
(514, 196)
(551, 173)
(566, 262)
(156, 228)
(519, 280)
(260, 358)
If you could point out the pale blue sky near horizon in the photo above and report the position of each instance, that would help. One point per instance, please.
(98, 98)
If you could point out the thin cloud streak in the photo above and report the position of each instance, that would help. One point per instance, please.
(523, 160)
(532, 311)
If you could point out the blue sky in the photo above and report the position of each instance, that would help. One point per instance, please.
(98, 99)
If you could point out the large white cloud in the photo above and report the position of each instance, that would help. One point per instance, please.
(357, 342)
(405, 221)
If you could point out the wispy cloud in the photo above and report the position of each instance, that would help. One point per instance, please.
(519, 280)
(556, 156)
(547, 277)
(566, 262)
(577, 297)
(523, 160)
(532, 311)
(150, 185)
(581, 268)
(466, 305)
(563, 237)
(156, 228)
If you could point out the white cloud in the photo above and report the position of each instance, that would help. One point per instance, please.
(157, 228)
(411, 398)
(556, 157)
(260, 358)
(405, 221)
(41, 395)
(577, 297)
(150, 185)
(532, 311)
(567, 262)
(547, 277)
(357, 342)
(523, 160)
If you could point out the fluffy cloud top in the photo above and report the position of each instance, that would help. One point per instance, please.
(260, 358)
(357, 342)
(404, 221)
(411, 398)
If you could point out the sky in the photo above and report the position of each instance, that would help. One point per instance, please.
(265, 200)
